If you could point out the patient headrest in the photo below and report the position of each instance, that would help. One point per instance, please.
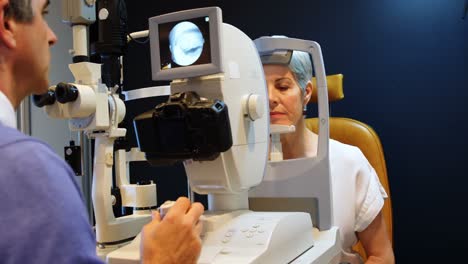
(335, 88)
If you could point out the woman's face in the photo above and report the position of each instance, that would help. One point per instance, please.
(285, 96)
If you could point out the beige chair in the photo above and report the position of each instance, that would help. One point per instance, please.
(356, 133)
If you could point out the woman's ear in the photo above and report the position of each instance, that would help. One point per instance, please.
(308, 92)
(7, 26)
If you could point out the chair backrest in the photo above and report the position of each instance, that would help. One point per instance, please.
(356, 133)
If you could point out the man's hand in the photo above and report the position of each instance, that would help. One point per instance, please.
(176, 238)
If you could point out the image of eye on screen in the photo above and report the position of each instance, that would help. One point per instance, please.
(185, 43)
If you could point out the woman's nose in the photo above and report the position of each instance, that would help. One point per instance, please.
(272, 98)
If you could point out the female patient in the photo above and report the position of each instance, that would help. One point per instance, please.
(357, 194)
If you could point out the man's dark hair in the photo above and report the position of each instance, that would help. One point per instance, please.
(19, 10)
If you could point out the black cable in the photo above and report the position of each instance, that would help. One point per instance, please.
(137, 41)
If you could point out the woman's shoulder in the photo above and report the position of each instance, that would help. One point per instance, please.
(345, 152)
(349, 160)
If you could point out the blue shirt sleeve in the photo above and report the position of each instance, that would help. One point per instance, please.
(42, 215)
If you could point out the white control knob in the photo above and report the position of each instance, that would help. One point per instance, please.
(103, 14)
(253, 106)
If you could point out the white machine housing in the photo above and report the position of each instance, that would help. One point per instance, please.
(304, 177)
(232, 233)
(238, 81)
(97, 111)
(96, 108)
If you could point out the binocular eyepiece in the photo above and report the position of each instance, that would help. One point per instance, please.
(63, 93)
(47, 98)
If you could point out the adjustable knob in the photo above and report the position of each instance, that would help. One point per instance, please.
(253, 106)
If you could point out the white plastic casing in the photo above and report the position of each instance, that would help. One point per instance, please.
(242, 166)
(304, 177)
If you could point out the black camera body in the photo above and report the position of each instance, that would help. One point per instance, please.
(185, 127)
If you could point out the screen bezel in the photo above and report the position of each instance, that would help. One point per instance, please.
(215, 22)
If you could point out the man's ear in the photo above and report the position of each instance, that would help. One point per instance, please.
(7, 26)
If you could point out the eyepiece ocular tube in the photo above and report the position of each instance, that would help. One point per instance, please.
(41, 100)
(65, 93)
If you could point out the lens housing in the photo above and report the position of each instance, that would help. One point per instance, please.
(47, 98)
(65, 93)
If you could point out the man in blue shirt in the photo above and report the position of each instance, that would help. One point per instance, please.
(43, 218)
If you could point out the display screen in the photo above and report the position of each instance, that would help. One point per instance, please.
(185, 43)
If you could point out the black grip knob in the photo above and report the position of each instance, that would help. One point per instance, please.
(65, 93)
(41, 100)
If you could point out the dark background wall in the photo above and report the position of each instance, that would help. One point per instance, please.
(405, 64)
